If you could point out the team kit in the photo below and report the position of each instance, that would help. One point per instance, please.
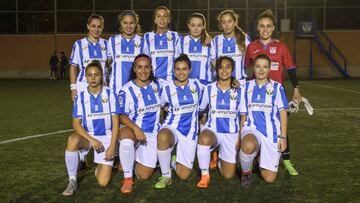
(163, 98)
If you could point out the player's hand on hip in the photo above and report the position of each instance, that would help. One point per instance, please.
(282, 145)
(97, 145)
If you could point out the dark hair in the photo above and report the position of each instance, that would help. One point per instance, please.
(262, 56)
(96, 64)
(154, 14)
(218, 66)
(132, 72)
(134, 15)
(204, 33)
(183, 58)
(239, 33)
(266, 14)
(95, 16)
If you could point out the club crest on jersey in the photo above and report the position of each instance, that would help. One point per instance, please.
(136, 45)
(104, 99)
(214, 95)
(84, 48)
(103, 48)
(273, 50)
(169, 38)
(193, 90)
(154, 87)
(269, 90)
(139, 95)
(233, 95)
(117, 43)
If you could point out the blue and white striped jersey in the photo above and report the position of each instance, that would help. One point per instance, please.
(161, 49)
(228, 47)
(123, 52)
(95, 111)
(142, 105)
(200, 57)
(264, 104)
(84, 52)
(225, 108)
(183, 103)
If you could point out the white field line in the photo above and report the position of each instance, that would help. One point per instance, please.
(330, 87)
(69, 130)
(34, 136)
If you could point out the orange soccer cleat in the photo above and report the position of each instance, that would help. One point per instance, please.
(127, 185)
(204, 181)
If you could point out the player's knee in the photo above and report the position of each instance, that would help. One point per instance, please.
(204, 139)
(248, 145)
(269, 178)
(163, 141)
(73, 142)
(102, 182)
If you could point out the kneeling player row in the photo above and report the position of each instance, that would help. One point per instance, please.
(254, 113)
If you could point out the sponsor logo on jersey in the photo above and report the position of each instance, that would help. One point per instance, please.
(98, 115)
(260, 107)
(124, 57)
(148, 109)
(185, 109)
(223, 113)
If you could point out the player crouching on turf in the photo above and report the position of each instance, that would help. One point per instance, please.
(180, 127)
(222, 128)
(96, 124)
(140, 115)
(266, 126)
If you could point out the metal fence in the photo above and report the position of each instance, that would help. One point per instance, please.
(69, 16)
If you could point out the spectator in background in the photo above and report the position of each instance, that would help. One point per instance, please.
(64, 63)
(53, 62)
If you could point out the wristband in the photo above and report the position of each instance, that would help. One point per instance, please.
(72, 86)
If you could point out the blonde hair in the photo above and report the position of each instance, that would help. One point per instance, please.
(154, 14)
(134, 15)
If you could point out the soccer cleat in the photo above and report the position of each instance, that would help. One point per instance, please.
(214, 160)
(81, 165)
(290, 168)
(163, 182)
(204, 181)
(127, 185)
(71, 188)
(246, 179)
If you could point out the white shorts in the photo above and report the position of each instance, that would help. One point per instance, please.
(146, 152)
(99, 158)
(269, 151)
(186, 147)
(81, 86)
(227, 145)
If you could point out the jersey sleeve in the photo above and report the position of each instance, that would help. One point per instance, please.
(114, 104)
(243, 103)
(109, 51)
(286, 57)
(75, 55)
(123, 99)
(77, 109)
(164, 97)
(248, 56)
(145, 47)
(204, 101)
(281, 100)
(146, 44)
(212, 51)
(179, 47)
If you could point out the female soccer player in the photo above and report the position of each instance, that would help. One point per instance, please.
(266, 126)
(96, 124)
(280, 57)
(195, 47)
(89, 48)
(225, 105)
(123, 48)
(232, 42)
(180, 127)
(161, 44)
(140, 109)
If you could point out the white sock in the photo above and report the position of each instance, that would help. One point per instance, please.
(246, 160)
(164, 157)
(72, 162)
(203, 154)
(127, 156)
(83, 153)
